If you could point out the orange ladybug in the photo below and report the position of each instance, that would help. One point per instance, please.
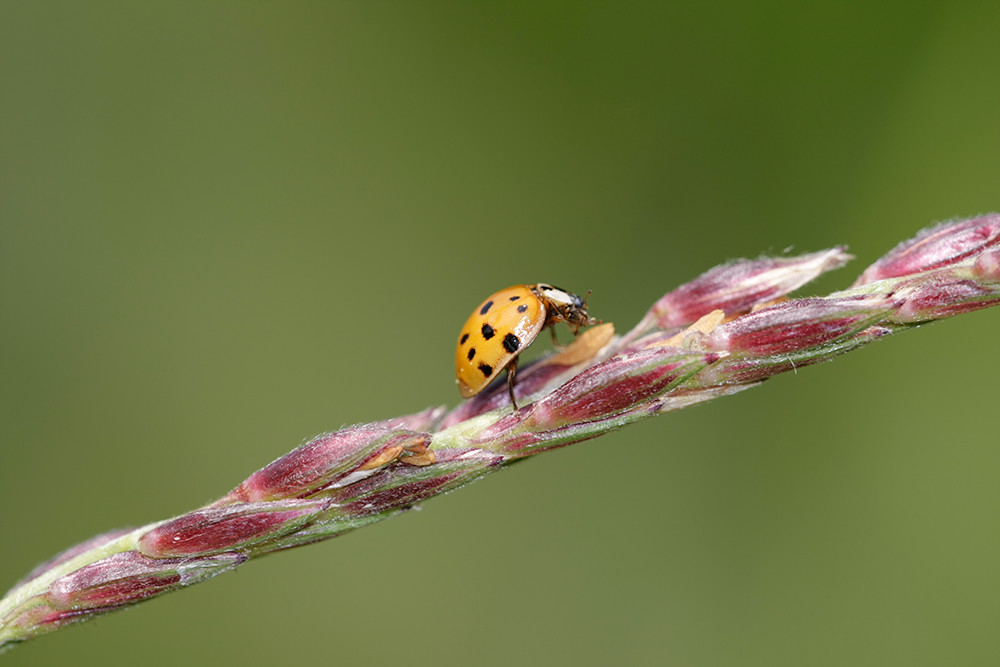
(504, 325)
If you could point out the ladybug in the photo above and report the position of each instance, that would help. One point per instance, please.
(504, 325)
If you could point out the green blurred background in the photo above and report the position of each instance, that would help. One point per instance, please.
(226, 227)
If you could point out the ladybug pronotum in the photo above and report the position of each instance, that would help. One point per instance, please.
(504, 325)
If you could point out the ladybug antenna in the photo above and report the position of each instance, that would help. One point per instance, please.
(592, 320)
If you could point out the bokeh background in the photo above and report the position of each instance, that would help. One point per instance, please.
(226, 227)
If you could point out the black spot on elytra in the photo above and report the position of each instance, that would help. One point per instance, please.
(514, 298)
(486, 370)
(464, 338)
(523, 307)
(487, 331)
(511, 343)
(472, 353)
(486, 307)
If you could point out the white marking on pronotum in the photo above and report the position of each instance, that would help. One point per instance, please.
(559, 296)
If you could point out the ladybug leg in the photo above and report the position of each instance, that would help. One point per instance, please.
(511, 370)
(555, 341)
